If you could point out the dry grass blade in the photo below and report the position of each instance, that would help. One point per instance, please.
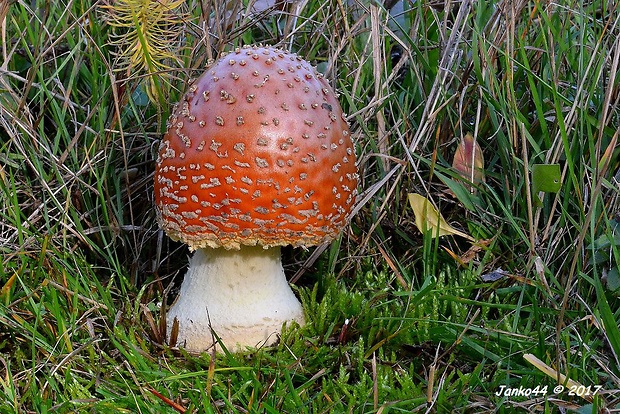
(4, 9)
(555, 374)
(379, 59)
(178, 407)
(451, 56)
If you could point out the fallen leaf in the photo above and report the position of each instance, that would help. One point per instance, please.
(469, 161)
(428, 219)
(472, 252)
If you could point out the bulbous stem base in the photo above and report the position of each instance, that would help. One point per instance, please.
(242, 296)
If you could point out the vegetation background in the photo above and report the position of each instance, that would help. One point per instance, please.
(398, 320)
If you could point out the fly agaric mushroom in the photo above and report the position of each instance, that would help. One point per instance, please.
(257, 155)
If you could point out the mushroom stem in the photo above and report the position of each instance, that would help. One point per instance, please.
(241, 295)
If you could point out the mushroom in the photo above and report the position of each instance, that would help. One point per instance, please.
(257, 155)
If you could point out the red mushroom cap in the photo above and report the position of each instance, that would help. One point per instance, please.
(257, 152)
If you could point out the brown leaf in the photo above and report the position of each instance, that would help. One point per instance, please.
(469, 161)
(471, 253)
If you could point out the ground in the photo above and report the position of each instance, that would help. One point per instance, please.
(502, 114)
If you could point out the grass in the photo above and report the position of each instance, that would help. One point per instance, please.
(397, 321)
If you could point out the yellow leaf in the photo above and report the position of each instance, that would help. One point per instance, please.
(428, 219)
